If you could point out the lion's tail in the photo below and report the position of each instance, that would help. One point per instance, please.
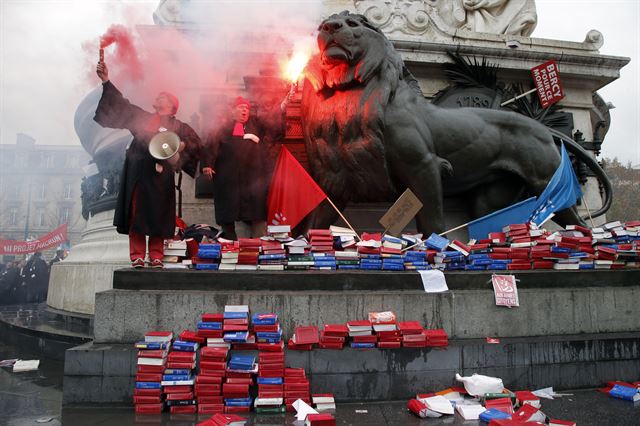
(577, 150)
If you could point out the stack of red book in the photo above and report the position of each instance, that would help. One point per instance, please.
(249, 252)
(321, 240)
(270, 365)
(151, 361)
(236, 387)
(296, 386)
(177, 382)
(436, 337)
(304, 338)
(333, 336)
(386, 330)
(208, 388)
(192, 336)
(412, 334)
(207, 328)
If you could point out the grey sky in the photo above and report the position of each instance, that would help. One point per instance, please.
(44, 72)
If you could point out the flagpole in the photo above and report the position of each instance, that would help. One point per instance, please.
(518, 97)
(584, 200)
(464, 225)
(343, 218)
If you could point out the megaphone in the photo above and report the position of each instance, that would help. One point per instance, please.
(165, 146)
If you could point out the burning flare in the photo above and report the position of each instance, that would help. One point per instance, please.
(296, 65)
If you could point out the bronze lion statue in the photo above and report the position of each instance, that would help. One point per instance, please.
(370, 134)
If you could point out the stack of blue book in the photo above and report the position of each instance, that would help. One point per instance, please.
(324, 261)
(209, 251)
(242, 362)
(393, 262)
(370, 261)
(264, 319)
(182, 346)
(236, 336)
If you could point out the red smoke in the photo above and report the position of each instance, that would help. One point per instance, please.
(126, 54)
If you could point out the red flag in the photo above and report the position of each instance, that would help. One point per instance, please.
(293, 193)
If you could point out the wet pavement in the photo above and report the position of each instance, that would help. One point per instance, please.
(35, 398)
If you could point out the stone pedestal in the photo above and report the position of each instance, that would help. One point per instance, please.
(89, 267)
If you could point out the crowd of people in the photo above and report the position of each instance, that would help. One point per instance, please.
(26, 281)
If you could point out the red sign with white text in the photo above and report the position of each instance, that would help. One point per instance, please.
(54, 238)
(547, 80)
(505, 290)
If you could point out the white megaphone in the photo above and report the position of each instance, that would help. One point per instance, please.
(165, 146)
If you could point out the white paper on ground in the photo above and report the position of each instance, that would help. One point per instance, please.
(302, 409)
(433, 281)
(439, 404)
(25, 365)
(470, 411)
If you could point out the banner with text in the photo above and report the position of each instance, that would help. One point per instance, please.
(547, 80)
(54, 238)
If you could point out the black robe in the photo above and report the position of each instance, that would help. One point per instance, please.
(155, 192)
(242, 168)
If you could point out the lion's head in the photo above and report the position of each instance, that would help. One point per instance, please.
(351, 49)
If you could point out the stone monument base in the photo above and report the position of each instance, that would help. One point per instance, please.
(572, 328)
(88, 269)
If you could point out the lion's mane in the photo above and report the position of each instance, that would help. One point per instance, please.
(343, 113)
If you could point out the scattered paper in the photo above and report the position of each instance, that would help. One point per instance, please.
(433, 281)
(439, 404)
(44, 419)
(302, 409)
(548, 393)
(25, 365)
(470, 411)
(362, 411)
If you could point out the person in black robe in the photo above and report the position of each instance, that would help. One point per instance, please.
(239, 153)
(146, 204)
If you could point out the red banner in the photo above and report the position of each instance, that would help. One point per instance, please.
(52, 239)
(547, 80)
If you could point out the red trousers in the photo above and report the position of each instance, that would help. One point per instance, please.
(138, 242)
(138, 246)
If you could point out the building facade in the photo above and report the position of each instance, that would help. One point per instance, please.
(40, 189)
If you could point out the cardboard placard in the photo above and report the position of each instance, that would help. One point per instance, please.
(505, 290)
(401, 213)
(547, 80)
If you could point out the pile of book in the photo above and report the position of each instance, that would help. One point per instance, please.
(236, 325)
(296, 386)
(151, 361)
(208, 257)
(229, 253)
(212, 371)
(517, 247)
(177, 380)
(248, 252)
(239, 378)
(333, 336)
(503, 408)
(271, 363)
